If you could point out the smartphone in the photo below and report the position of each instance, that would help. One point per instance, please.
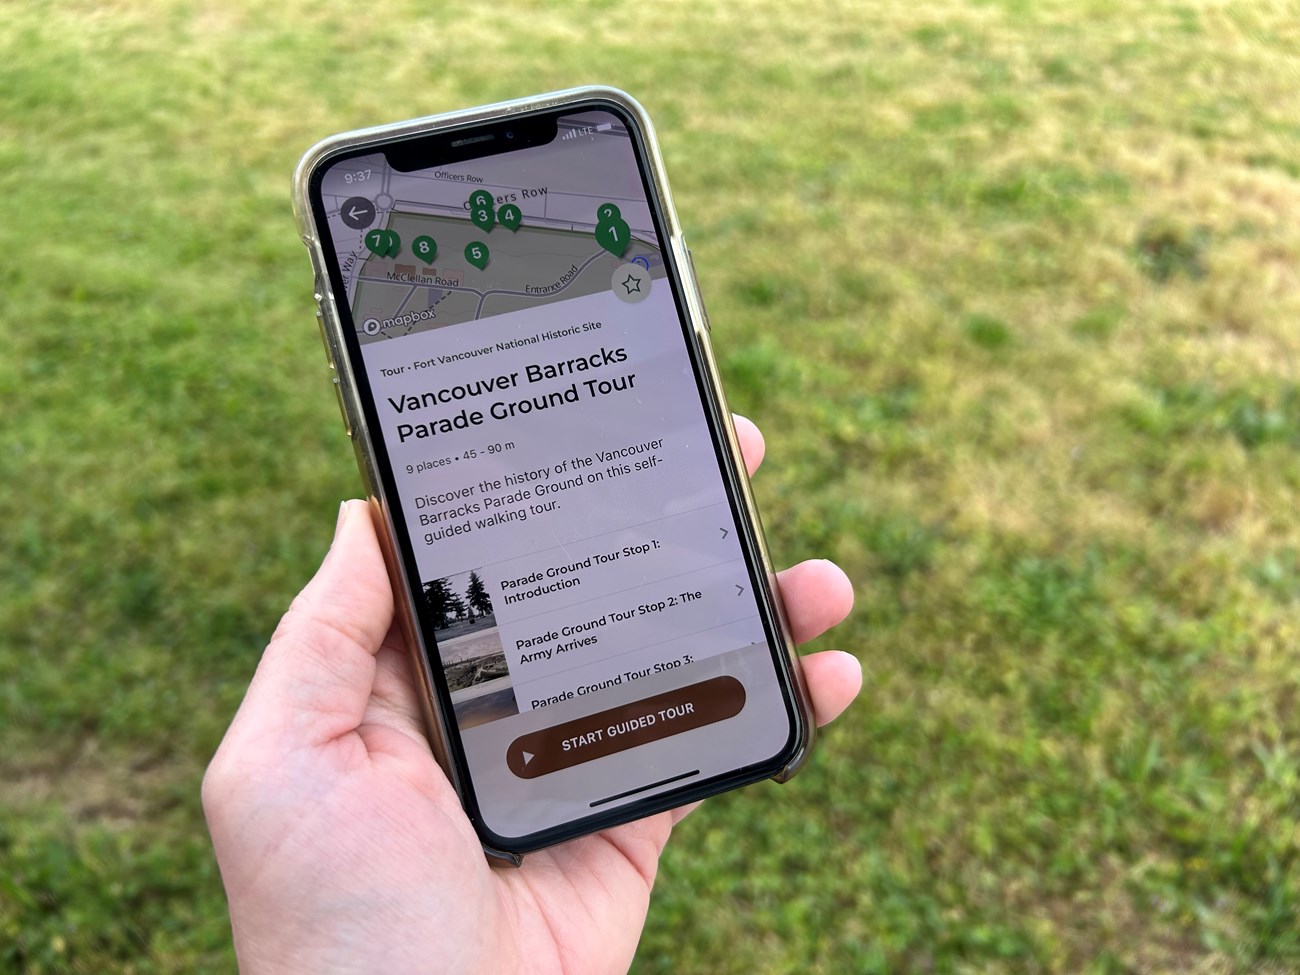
(522, 361)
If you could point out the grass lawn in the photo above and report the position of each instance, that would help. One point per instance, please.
(1014, 289)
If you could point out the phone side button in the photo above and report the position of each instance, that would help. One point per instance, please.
(343, 410)
(695, 283)
(324, 337)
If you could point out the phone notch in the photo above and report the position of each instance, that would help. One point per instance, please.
(475, 142)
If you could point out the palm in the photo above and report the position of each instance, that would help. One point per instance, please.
(387, 835)
(574, 908)
(342, 845)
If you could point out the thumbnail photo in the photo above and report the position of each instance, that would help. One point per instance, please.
(469, 644)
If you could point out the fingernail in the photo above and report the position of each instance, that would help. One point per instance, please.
(343, 510)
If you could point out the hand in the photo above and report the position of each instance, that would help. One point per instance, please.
(343, 847)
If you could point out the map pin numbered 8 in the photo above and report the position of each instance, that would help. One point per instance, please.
(424, 247)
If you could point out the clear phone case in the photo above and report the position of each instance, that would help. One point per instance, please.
(440, 724)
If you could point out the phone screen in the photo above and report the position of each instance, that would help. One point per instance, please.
(541, 420)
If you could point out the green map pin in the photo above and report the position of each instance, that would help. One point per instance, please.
(483, 217)
(614, 236)
(383, 243)
(479, 199)
(510, 217)
(476, 253)
(607, 213)
(424, 248)
(377, 242)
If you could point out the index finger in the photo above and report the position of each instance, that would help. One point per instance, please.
(751, 442)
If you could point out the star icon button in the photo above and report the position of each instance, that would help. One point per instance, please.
(630, 282)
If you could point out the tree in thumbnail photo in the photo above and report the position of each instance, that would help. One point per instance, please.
(442, 602)
(477, 594)
(445, 604)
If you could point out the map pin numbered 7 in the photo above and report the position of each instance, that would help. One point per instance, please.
(383, 243)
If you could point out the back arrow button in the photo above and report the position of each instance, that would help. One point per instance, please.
(357, 212)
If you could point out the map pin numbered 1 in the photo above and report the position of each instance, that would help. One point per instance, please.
(510, 216)
(424, 248)
(476, 253)
(614, 236)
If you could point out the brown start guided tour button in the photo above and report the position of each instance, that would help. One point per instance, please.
(626, 726)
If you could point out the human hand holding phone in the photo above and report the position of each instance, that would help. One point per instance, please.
(522, 360)
(344, 848)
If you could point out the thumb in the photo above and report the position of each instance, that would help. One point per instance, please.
(316, 675)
